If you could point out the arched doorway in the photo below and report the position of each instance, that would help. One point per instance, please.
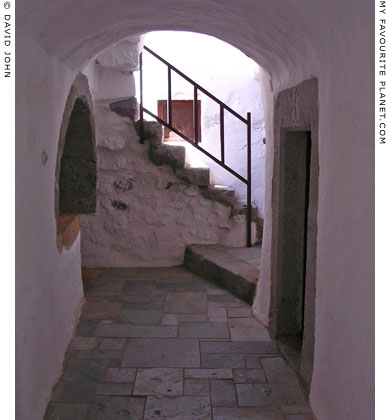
(75, 186)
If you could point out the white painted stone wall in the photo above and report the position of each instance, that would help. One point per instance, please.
(49, 289)
(161, 214)
(293, 41)
(229, 75)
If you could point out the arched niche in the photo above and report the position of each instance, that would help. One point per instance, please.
(75, 180)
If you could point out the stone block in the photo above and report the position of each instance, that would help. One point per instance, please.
(248, 376)
(208, 373)
(247, 329)
(204, 330)
(152, 131)
(214, 263)
(196, 386)
(122, 56)
(178, 408)
(222, 360)
(84, 343)
(114, 389)
(125, 107)
(237, 347)
(139, 317)
(138, 288)
(224, 195)
(181, 287)
(153, 352)
(117, 408)
(112, 344)
(122, 330)
(159, 382)
(276, 395)
(252, 361)
(217, 315)
(78, 391)
(66, 411)
(247, 413)
(85, 370)
(101, 310)
(185, 303)
(126, 375)
(223, 393)
(239, 313)
(99, 355)
(194, 175)
(277, 371)
(167, 155)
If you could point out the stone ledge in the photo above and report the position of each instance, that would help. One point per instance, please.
(174, 156)
(224, 195)
(194, 175)
(229, 272)
(68, 228)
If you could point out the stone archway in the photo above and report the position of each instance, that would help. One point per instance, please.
(75, 181)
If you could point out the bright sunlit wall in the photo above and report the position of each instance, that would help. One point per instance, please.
(229, 75)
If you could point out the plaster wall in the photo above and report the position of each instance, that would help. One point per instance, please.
(293, 41)
(229, 75)
(48, 283)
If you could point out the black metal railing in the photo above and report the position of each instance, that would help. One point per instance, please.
(223, 107)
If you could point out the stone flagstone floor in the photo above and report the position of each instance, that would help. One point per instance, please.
(164, 344)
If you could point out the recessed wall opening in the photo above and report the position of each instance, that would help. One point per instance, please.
(294, 224)
(295, 157)
(182, 118)
(77, 175)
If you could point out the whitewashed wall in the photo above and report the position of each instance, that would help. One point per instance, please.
(229, 75)
(293, 41)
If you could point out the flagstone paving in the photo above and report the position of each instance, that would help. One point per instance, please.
(165, 344)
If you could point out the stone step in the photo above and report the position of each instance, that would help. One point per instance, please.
(174, 156)
(221, 193)
(240, 209)
(152, 131)
(215, 263)
(194, 175)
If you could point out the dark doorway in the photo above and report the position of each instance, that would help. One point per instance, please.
(295, 162)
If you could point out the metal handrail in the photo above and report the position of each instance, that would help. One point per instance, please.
(221, 162)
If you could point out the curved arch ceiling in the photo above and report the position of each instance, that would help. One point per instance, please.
(276, 34)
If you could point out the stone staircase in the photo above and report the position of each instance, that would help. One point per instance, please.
(174, 155)
(214, 262)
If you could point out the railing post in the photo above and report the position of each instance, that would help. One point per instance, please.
(169, 110)
(196, 121)
(141, 106)
(249, 185)
(222, 131)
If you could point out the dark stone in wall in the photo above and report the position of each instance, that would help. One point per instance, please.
(126, 107)
(119, 205)
(77, 182)
(152, 131)
(124, 186)
(174, 156)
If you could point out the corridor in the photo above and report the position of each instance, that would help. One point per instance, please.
(165, 344)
